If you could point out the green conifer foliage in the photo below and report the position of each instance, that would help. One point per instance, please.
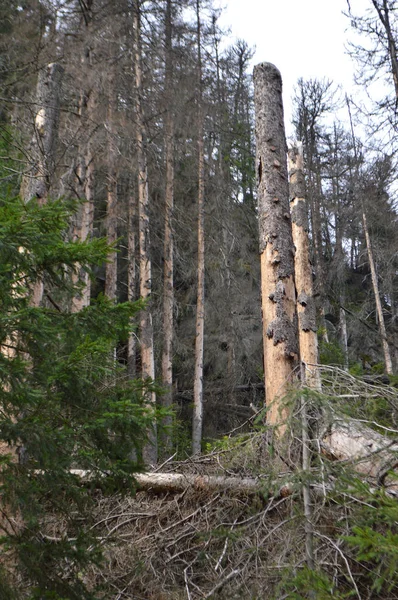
(65, 403)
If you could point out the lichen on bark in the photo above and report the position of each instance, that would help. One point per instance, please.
(307, 317)
(300, 214)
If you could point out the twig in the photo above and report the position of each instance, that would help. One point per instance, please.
(219, 585)
(325, 537)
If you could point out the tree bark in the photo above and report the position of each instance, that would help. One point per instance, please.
(276, 244)
(131, 280)
(37, 180)
(379, 309)
(168, 246)
(83, 222)
(197, 421)
(146, 328)
(36, 183)
(111, 204)
(306, 310)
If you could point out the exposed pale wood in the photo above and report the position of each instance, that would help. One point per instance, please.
(145, 266)
(197, 420)
(370, 453)
(382, 327)
(276, 244)
(36, 182)
(111, 200)
(131, 280)
(168, 245)
(83, 222)
(303, 270)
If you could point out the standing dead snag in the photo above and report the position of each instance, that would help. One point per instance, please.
(146, 328)
(197, 420)
(302, 266)
(276, 243)
(37, 180)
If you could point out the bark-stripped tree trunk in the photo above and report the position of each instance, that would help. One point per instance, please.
(379, 309)
(197, 421)
(131, 279)
(306, 310)
(83, 222)
(111, 206)
(375, 284)
(146, 328)
(37, 181)
(168, 250)
(276, 244)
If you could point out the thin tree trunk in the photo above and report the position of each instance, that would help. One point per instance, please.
(303, 272)
(197, 422)
(131, 280)
(168, 250)
(83, 222)
(146, 333)
(36, 183)
(111, 207)
(379, 310)
(276, 244)
(382, 327)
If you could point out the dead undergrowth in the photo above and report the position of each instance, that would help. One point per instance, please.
(198, 544)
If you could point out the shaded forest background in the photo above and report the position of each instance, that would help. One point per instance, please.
(103, 104)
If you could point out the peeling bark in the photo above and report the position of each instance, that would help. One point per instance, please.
(197, 420)
(146, 328)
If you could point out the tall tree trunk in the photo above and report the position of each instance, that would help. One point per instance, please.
(197, 422)
(276, 244)
(375, 284)
(303, 271)
(83, 222)
(168, 250)
(131, 279)
(36, 183)
(111, 205)
(379, 309)
(146, 333)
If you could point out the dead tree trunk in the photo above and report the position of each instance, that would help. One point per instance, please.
(379, 309)
(276, 244)
(197, 421)
(36, 182)
(168, 246)
(146, 333)
(111, 205)
(306, 310)
(131, 279)
(83, 222)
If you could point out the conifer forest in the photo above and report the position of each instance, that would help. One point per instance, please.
(198, 316)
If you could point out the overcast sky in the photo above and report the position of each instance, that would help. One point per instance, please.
(303, 38)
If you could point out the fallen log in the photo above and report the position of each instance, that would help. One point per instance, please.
(369, 452)
(179, 482)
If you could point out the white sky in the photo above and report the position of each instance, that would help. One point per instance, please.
(303, 38)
